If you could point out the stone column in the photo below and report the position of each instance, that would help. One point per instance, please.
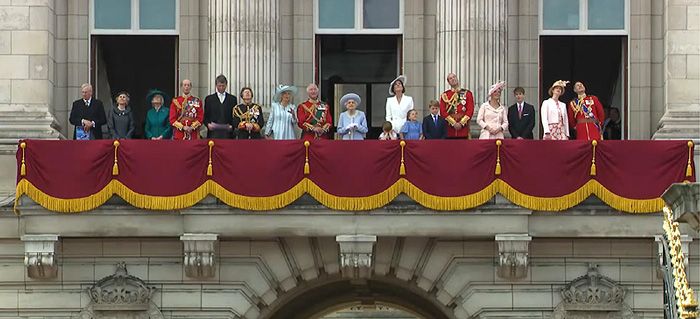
(472, 42)
(682, 75)
(244, 38)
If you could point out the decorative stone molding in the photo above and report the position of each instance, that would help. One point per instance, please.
(40, 256)
(685, 247)
(684, 201)
(593, 296)
(513, 255)
(356, 255)
(200, 257)
(120, 296)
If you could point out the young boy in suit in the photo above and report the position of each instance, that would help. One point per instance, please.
(434, 125)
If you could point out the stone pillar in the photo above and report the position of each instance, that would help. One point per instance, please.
(40, 256)
(200, 255)
(472, 42)
(244, 45)
(356, 255)
(682, 74)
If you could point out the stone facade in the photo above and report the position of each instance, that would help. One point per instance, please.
(497, 261)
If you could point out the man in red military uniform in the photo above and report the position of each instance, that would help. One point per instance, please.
(314, 116)
(586, 114)
(457, 107)
(186, 114)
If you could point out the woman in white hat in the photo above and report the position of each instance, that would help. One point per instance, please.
(398, 104)
(280, 124)
(555, 123)
(352, 124)
(493, 116)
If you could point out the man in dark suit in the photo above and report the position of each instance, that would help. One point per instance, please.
(434, 125)
(218, 110)
(521, 117)
(87, 115)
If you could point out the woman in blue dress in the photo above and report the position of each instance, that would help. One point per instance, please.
(412, 129)
(352, 124)
(283, 119)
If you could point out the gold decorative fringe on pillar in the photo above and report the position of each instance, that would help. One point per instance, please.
(306, 160)
(498, 157)
(23, 167)
(115, 168)
(689, 168)
(593, 168)
(402, 168)
(210, 169)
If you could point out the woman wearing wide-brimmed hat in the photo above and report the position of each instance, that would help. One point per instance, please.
(352, 124)
(398, 104)
(493, 116)
(157, 123)
(280, 124)
(555, 123)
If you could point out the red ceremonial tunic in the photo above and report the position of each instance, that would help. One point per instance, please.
(587, 116)
(186, 111)
(312, 114)
(457, 107)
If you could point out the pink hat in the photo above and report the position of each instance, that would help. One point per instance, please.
(497, 87)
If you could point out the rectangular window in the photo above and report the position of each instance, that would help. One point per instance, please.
(112, 14)
(336, 14)
(152, 17)
(157, 14)
(358, 16)
(584, 17)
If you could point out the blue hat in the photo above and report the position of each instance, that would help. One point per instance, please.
(281, 89)
(350, 96)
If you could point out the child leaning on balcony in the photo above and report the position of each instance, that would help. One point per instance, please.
(412, 129)
(387, 132)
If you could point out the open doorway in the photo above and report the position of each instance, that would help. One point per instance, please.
(363, 64)
(600, 62)
(136, 64)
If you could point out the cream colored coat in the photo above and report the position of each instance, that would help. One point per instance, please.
(396, 112)
(490, 117)
(550, 114)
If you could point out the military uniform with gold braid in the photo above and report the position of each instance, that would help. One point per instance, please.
(457, 106)
(186, 111)
(248, 114)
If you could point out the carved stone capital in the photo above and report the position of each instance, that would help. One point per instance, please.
(199, 251)
(40, 256)
(356, 255)
(513, 255)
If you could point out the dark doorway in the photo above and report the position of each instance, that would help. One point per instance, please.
(363, 64)
(136, 64)
(600, 62)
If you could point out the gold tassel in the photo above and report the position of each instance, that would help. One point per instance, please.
(115, 167)
(593, 168)
(23, 167)
(210, 168)
(498, 157)
(689, 168)
(307, 169)
(402, 168)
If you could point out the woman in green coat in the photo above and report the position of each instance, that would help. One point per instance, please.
(157, 122)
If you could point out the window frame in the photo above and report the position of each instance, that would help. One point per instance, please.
(135, 22)
(583, 22)
(359, 22)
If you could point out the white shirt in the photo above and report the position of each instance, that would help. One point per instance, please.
(222, 96)
(396, 112)
(87, 102)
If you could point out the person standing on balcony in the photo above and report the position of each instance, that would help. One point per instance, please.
(434, 125)
(493, 117)
(186, 114)
(352, 124)
(398, 104)
(553, 112)
(248, 117)
(586, 114)
(218, 110)
(521, 116)
(157, 125)
(280, 124)
(88, 115)
(457, 107)
(314, 116)
(121, 119)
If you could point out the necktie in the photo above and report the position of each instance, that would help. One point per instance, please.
(435, 119)
(520, 111)
(87, 103)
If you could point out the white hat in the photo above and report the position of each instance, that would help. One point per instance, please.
(281, 89)
(498, 86)
(401, 78)
(350, 96)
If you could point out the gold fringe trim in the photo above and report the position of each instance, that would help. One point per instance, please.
(23, 167)
(593, 168)
(689, 168)
(441, 203)
(115, 167)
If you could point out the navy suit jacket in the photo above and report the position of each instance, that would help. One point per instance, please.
(433, 132)
(521, 127)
